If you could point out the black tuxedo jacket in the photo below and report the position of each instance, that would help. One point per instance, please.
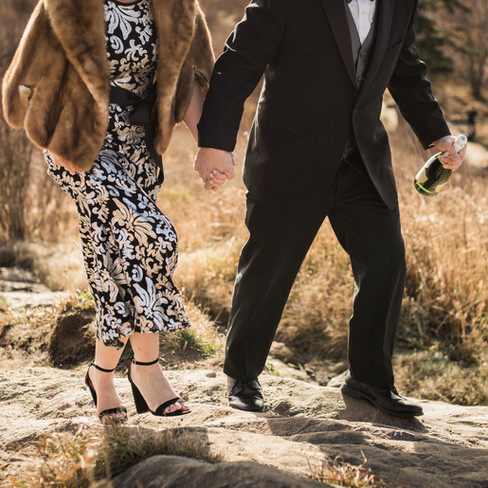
(310, 102)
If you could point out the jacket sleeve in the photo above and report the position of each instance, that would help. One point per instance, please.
(412, 92)
(248, 50)
(197, 66)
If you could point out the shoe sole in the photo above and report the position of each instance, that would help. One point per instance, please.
(246, 408)
(358, 395)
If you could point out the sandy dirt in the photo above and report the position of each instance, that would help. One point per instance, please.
(304, 424)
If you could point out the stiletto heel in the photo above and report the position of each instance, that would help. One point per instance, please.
(141, 404)
(106, 415)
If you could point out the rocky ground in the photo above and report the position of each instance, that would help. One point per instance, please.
(304, 423)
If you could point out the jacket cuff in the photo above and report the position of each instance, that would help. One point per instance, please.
(216, 137)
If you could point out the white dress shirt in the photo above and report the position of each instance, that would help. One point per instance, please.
(363, 14)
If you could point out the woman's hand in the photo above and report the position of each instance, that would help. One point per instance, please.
(59, 161)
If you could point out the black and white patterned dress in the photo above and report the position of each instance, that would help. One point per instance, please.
(129, 246)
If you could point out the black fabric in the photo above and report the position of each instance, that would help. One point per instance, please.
(142, 115)
(369, 232)
(309, 111)
(309, 102)
(361, 53)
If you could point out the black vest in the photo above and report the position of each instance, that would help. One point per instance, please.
(361, 54)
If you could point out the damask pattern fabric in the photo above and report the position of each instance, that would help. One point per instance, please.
(130, 247)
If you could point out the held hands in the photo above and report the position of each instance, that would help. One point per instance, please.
(214, 166)
(453, 160)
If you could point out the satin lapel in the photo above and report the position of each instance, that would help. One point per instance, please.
(383, 30)
(336, 13)
(80, 28)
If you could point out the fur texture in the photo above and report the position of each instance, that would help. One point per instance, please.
(57, 86)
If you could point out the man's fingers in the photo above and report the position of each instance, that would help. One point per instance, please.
(453, 155)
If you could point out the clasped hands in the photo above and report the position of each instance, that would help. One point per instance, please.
(214, 166)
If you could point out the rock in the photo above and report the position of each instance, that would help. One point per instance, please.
(72, 339)
(20, 290)
(337, 381)
(304, 425)
(171, 471)
(282, 352)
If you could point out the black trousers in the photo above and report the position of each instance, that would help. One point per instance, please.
(367, 230)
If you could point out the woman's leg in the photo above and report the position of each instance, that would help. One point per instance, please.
(150, 380)
(103, 382)
(94, 233)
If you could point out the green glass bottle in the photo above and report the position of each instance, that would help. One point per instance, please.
(433, 176)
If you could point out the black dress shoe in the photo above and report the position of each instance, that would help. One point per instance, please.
(245, 396)
(386, 399)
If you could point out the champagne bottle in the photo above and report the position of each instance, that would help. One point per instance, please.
(433, 176)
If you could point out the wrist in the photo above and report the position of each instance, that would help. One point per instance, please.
(214, 150)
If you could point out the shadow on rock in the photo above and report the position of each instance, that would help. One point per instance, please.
(170, 471)
(363, 411)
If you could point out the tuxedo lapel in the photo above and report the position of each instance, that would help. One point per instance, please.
(383, 30)
(336, 14)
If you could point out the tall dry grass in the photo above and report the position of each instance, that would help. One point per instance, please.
(30, 206)
(443, 331)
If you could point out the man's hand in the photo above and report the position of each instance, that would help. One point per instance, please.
(453, 160)
(214, 166)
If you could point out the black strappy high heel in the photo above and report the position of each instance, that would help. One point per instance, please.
(141, 404)
(106, 415)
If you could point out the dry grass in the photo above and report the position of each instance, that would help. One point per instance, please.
(92, 456)
(34, 317)
(446, 297)
(445, 301)
(433, 374)
(340, 473)
(202, 337)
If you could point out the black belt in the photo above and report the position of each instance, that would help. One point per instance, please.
(141, 115)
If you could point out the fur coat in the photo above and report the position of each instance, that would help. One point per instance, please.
(57, 86)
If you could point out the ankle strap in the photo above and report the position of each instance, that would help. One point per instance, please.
(100, 368)
(140, 363)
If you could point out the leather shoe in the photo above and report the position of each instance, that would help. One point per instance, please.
(245, 396)
(386, 399)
